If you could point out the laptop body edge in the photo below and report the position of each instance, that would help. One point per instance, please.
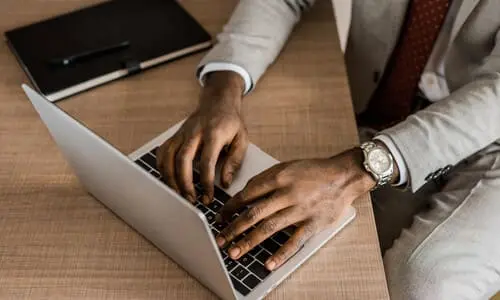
(160, 211)
(255, 161)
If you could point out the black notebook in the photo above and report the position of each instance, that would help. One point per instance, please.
(92, 46)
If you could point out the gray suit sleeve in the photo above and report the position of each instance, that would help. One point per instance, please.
(256, 33)
(451, 130)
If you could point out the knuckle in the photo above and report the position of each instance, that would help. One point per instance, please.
(215, 133)
(180, 157)
(235, 163)
(208, 164)
(280, 178)
(303, 209)
(253, 214)
(331, 219)
(269, 227)
(245, 243)
(184, 150)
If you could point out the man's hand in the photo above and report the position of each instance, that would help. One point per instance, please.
(312, 194)
(215, 124)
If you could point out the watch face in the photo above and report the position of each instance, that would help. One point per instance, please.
(379, 161)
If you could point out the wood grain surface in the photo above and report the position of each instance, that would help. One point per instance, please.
(57, 242)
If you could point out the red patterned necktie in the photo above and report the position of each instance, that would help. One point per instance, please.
(394, 98)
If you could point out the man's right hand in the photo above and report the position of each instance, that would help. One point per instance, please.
(216, 125)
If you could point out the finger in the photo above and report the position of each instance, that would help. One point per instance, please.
(256, 188)
(209, 155)
(263, 209)
(264, 230)
(234, 158)
(159, 157)
(184, 167)
(166, 163)
(294, 244)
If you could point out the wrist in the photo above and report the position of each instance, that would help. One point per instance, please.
(358, 172)
(354, 172)
(223, 86)
(225, 81)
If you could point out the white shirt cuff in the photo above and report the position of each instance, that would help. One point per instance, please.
(400, 162)
(221, 66)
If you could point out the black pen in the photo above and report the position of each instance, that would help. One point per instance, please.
(82, 56)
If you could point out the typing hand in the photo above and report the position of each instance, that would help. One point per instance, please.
(215, 124)
(311, 194)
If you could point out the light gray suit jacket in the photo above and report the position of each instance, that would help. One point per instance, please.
(442, 134)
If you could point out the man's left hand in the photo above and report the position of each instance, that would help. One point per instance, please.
(312, 194)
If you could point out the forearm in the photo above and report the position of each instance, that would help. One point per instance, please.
(255, 34)
(450, 130)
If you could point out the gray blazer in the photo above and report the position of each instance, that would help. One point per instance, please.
(439, 136)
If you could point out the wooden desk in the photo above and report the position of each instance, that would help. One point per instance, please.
(57, 242)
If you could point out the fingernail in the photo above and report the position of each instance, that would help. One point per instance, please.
(234, 252)
(270, 265)
(206, 200)
(220, 241)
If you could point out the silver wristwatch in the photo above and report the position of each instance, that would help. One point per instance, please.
(378, 162)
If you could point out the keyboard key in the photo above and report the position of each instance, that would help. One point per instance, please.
(270, 245)
(150, 160)
(245, 260)
(240, 272)
(154, 151)
(263, 256)
(230, 264)
(281, 237)
(223, 253)
(210, 217)
(239, 286)
(255, 250)
(215, 232)
(220, 226)
(215, 205)
(251, 281)
(259, 270)
(155, 174)
(221, 195)
(142, 165)
(202, 207)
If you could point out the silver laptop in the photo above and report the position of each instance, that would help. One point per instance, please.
(132, 188)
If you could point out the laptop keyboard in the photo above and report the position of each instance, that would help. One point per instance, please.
(247, 272)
